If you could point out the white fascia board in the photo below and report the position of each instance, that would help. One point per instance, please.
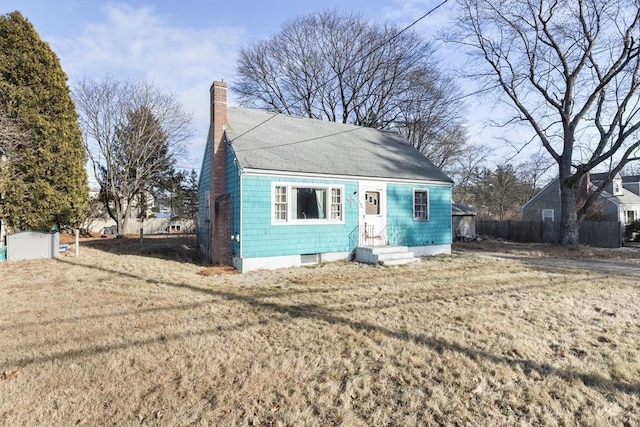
(263, 172)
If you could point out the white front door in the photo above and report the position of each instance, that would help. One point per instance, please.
(372, 205)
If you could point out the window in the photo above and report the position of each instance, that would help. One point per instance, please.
(629, 217)
(420, 205)
(207, 205)
(336, 204)
(372, 202)
(309, 203)
(280, 203)
(305, 203)
(617, 187)
(547, 215)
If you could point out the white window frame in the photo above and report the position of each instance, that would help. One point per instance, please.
(428, 207)
(277, 202)
(207, 205)
(553, 214)
(626, 216)
(291, 219)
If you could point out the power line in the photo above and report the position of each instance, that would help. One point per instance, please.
(371, 52)
(297, 142)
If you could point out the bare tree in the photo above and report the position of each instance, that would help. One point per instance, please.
(570, 71)
(342, 68)
(431, 118)
(631, 168)
(534, 172)
(133, 134)
(466, 172)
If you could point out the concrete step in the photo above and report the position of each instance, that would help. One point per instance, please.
(394, 262)
(377, 250)
(389, 256)
(385, 255)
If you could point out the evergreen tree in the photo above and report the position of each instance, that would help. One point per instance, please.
(51, 182)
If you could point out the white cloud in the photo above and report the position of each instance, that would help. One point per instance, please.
(404, 12)
(136, 43)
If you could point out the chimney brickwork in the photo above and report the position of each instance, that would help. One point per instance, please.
(218, 123)
(221, 212)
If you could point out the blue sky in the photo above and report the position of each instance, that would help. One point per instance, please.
(182, 46)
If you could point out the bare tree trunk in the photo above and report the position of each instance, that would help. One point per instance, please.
(569, 189)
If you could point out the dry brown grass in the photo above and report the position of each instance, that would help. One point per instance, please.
(629, 254)
(468, 339)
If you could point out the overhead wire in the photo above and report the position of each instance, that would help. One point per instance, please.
(330, 79)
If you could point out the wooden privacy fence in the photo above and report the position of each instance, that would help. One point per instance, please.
(600, 234)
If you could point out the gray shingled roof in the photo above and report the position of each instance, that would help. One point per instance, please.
(627, 197)
(460, 209)
(296, 144)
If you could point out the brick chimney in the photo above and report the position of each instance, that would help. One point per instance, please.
(218, 123)
(221, 201)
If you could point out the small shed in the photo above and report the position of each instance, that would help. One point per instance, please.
(463, 219)
(32, 245)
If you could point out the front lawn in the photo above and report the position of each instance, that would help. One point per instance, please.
(467, 339)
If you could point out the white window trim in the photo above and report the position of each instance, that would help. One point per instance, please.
(291, 220)
(413, 205)
(626, 215)
(553, 214)
(207, 205)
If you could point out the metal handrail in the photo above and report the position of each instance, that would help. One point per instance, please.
(366, 235)
(371, 238)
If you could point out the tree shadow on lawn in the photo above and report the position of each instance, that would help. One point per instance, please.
(319, 313)
(180, 248)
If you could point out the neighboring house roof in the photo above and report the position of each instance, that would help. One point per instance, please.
(460, 209)
(627, 198)
(277, 142)
(631, 178)
(598, 176)
(553, 182)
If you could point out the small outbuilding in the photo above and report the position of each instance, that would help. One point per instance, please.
(463, 220)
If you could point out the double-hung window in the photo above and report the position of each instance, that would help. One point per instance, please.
(304, 203)
(420, 205)
(280, 203)
(629, 217)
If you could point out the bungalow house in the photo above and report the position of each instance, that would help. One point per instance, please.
(281, 191)
(616, 202)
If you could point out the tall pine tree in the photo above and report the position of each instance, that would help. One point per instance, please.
(51, 185)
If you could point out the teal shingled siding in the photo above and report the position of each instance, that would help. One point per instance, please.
(232, 185)
(403, 230)
(261, 239)
(204, 185)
